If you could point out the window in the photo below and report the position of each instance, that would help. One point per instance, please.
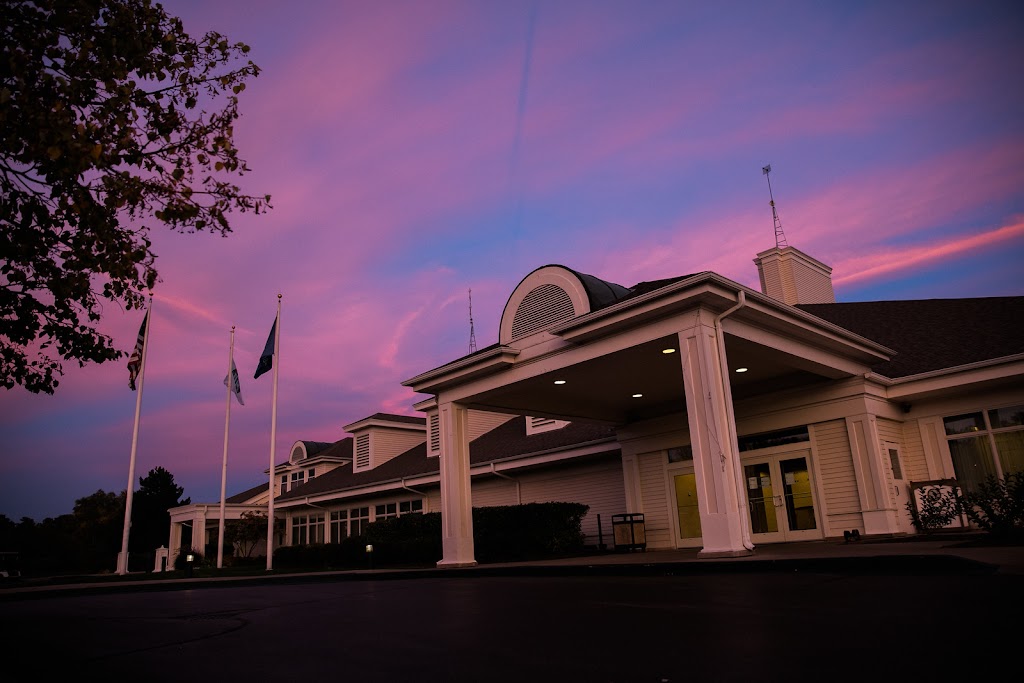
(339, 525)
(987, 443)
(308, 529)
(312, 472)
(298, 478)
(284, 483)
(777, 438)
(410, 507)
(358, 518)
(680, 454)
(386, 510)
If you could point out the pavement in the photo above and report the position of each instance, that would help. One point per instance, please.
(946, 554)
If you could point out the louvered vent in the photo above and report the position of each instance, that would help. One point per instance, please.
(435, 434)
(362, 452)
(541, 308)
(536, 425)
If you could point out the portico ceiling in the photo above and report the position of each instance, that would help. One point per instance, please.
(604, 389)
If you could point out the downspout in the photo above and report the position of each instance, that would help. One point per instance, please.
(741, 493)
(519, 491)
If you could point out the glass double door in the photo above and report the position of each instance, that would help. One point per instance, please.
(780, 498)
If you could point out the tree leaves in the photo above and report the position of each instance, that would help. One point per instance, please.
(113, 121)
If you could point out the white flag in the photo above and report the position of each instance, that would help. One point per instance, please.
(236, 388)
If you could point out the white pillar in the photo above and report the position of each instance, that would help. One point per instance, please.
(456, 492)
(199, 532)
(174, 542)
(877, 500)
(715, 456)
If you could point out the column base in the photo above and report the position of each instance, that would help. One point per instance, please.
(454, 564)
(707, 555)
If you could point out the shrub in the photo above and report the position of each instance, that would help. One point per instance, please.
(997, 505)
(409, 539)
(531, 531)
(181, 559)
(940, 505)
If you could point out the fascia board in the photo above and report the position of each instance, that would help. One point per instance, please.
(950, 378)
(485, 363)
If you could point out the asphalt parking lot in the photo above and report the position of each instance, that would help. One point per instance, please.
(812, 625)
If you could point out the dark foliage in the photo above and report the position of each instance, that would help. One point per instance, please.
(113, 120)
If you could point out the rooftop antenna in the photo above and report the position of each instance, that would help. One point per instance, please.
(780, 237)
(472, 333)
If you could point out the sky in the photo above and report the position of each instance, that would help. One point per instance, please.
(417, 150)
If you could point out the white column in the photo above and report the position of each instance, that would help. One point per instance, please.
(174, 543)
(456, 492)
(877, 500)
(199, 531)
(715, 456)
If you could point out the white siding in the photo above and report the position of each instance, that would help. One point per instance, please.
(655, 500)
(837, 475)
(481, 422)
(493, 491)
(597, 484)
(387, 443)
(914, 459)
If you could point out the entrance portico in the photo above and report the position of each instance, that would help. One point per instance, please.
(573, 347)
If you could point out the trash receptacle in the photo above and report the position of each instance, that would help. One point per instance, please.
(629, 532)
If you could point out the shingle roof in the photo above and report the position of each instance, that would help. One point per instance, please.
(933, 334)
(391, 417)
(244, 496)
(501, 443)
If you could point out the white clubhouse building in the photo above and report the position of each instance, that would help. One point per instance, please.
(727, 417)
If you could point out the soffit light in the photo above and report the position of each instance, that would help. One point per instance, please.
(637, 395)
(668, 350)
(741, 369)
(559, 381)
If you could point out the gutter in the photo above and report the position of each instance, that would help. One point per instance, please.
(519, 491)
(741, 493)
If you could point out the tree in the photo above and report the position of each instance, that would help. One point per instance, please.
(113, 120)
(151, 522)
(244, 533)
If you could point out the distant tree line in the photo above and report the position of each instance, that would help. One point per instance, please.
(89, 539)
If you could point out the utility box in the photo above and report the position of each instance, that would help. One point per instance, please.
(629, 531)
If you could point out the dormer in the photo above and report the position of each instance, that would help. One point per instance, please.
(550, 295)
(479, 422)
(310, 459)
(382, 436)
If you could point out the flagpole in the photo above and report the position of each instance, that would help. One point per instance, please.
(122, 557)
(224, 467)
(273, 437)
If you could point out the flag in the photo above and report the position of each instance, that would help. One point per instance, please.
(236, 388)
(135, 360)
(267, 359)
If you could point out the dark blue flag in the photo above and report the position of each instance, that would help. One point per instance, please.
(267, 359)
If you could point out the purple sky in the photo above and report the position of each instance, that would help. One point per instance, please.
(416, 150)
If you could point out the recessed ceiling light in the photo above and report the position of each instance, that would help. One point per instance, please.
(741, 369)
(637, 395)
(668, 350)
(559, 381)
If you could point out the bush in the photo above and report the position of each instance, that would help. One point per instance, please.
(997, 506)
(181, 559)
(409, 539)
(531, 531)
(349, 554)
(940, 505)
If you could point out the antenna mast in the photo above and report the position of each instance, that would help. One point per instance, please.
(472, 333)
(780, 237)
